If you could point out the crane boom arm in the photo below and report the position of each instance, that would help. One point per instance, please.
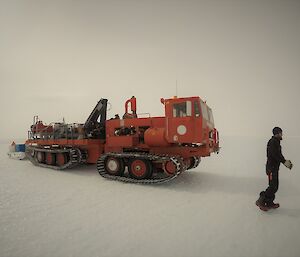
(99, 111)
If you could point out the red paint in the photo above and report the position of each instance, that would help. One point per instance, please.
(184, 124)
(61, 159)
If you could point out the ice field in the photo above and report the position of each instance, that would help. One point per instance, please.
(208, 211)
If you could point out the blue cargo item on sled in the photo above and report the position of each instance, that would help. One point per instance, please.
(20, 147)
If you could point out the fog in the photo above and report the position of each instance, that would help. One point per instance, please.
(58, 58)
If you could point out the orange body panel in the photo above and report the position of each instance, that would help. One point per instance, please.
(122, 141)
(156, 137)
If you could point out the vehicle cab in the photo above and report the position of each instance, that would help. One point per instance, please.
(189, 120)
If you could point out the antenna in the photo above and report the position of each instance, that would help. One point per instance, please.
(176, 89)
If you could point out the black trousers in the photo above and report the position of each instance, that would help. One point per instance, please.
(269, 194)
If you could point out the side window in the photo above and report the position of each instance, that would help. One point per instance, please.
(196, 109)
(182, 109)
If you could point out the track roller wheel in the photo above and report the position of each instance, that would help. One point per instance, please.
(40, 156)
(193, 162)
(190, 162)
(50, 158)
(140, 168)
(114, 166)
(61, 159)
(170, 167)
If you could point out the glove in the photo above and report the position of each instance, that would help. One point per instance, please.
(288, 164)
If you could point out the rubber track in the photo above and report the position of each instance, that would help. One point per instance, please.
(178, 161)
(75, 157)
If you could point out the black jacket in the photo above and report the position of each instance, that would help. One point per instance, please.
(274, 154)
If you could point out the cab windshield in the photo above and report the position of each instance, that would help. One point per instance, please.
(210, 114)
(204, 110)
(183, 109)
(207, 112)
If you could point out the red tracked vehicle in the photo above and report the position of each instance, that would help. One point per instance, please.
(129, 149)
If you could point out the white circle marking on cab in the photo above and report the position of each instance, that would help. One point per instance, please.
(181, 130)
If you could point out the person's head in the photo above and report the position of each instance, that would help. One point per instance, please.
(277, 132)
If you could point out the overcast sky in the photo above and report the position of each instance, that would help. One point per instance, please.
(58, 58)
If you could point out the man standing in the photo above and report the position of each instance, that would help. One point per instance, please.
(274, 158)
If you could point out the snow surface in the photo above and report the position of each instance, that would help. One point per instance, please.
(209, 211)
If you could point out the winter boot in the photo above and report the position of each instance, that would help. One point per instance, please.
(260, 202)
(273, 205)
